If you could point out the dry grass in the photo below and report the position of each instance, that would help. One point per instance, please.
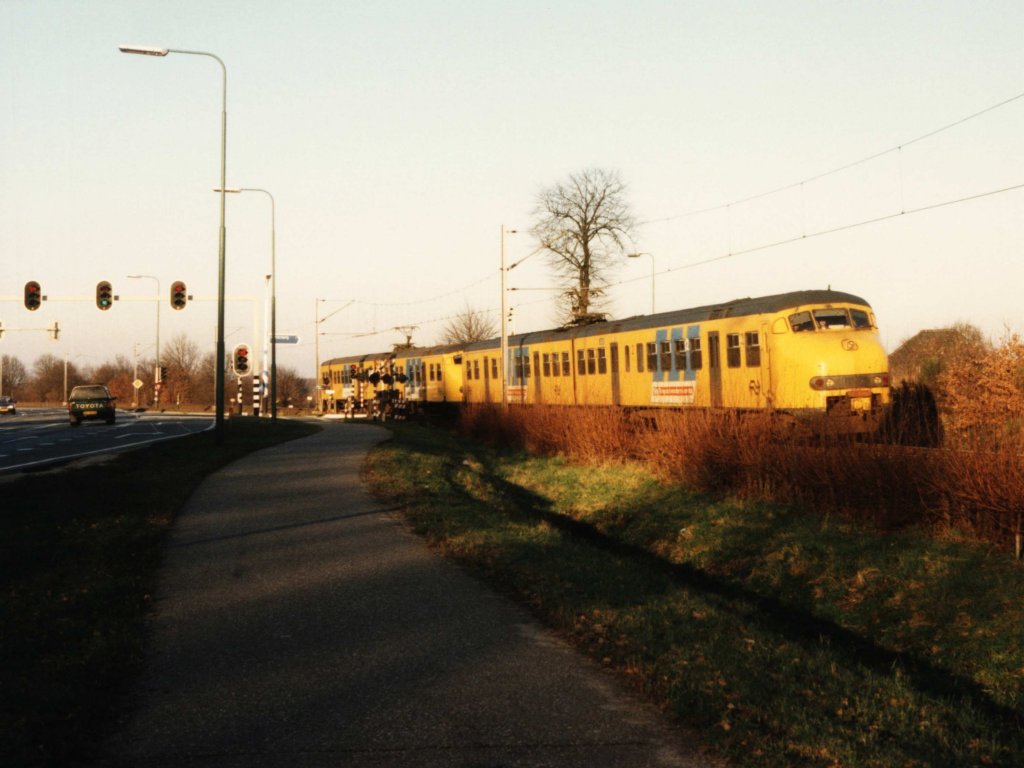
(974, 487)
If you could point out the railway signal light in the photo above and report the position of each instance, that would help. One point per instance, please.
(33, 295)
(179, 296)
(241, 360)
(104, 295)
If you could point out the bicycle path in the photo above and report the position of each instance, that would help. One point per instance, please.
(298, 624)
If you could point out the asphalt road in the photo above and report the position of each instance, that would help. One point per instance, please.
(298, 624)
(36, 437)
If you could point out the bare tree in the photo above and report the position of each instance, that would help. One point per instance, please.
(469, 326)
(14, 374)
(48, 378)
(181, 358)
(292, 389)
(581, 223)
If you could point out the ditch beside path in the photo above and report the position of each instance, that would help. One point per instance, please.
(297, 623)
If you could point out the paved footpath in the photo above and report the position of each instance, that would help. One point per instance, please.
(298, 624)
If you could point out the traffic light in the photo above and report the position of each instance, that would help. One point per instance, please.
(179, 296)
(33, 295)
(241, 360)
(104, 295)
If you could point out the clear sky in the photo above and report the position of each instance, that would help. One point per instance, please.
(398, 137)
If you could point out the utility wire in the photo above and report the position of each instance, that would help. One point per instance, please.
(840, 169)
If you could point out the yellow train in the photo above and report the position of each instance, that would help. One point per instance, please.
(805, 352)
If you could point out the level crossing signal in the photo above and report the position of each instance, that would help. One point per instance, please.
(104, 295)
(33, 295)
(179, 295)
(241, 360)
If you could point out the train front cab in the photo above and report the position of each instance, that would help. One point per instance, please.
(829, 359)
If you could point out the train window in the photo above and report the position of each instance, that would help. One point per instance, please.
(566, 368)
(581, 363)
(732, 350)
(652, 356)
(639, 358)
(591, 362)
(753, 349)
(860, 318)
(831, 318)
(469, 370)
(626, 349)
(696, 358)
(518, 369)
(666, 355)
(526, 366)
(547, 364)
(476, 369)
(602, 361)
(555, 369)
(801, 321)
(679, 352)
(494, 367)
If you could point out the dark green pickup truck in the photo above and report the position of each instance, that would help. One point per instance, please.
(91, 401)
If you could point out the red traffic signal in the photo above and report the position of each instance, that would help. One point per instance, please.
(104, 295)
(241, 360)
(179, 295)
(33, 295)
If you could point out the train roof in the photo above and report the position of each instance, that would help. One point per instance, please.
(744, 307)
(399, 354)
(763, 305)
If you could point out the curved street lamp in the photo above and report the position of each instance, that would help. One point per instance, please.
(218, 431)
(638, 255)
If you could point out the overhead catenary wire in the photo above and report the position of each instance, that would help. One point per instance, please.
(839, 169)
(728, 206)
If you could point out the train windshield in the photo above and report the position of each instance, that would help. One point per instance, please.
(828, 319)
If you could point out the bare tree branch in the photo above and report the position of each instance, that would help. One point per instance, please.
(582, 223)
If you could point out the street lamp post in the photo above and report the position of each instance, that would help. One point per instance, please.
(218, 431)
(156, 389)
(638, 255)
(273, 291)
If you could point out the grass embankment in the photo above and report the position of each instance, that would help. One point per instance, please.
(79, 550)
(789, 638)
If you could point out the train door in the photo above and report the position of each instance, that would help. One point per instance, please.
(715, 369)
(613, 351)
(536, 378)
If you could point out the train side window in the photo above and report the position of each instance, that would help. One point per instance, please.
(639, 358)
(860, 318)
(666, 355)
(652, 356)
(696, 358)
(679, 352)
(581, 363)
(494, 368)
(591, 362)
(476, 369)
(753, 339)
(732, 350)
(602, 361)
(801, 321)
(566, 366)
(526, 366)
(626, 350)
(547, 363)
